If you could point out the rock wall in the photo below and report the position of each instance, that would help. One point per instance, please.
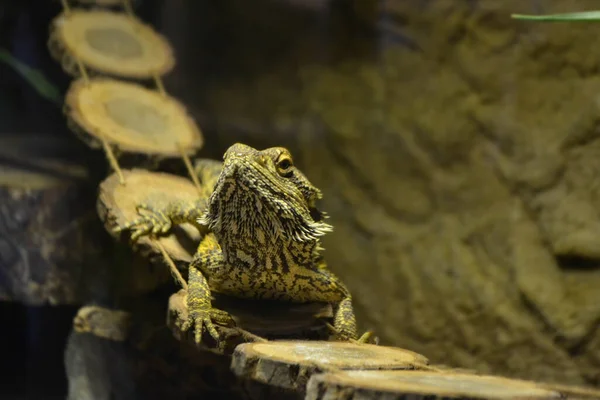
(457, 151)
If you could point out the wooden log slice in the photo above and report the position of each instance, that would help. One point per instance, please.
(289, 364)
(110, 43)
(117, 204)
(148, 364)
(50, 244)
(257, 319)
(53, 248)
(131, 117)
(102, 322)
(390, 385)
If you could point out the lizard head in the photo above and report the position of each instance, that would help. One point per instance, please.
(261, 192)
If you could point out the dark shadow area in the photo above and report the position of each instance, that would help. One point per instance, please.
(577, 263)
(32, 348)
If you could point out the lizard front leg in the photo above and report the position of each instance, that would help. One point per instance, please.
(199, 306)
(201, 314)
(344, 321)
(158, 220)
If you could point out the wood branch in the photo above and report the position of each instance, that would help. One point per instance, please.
(391, 385)
(117, 204)
(289, 364)
(253, 320)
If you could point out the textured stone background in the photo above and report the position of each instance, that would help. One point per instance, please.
(457, 150)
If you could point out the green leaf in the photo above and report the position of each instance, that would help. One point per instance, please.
(39, 82)
(576, 16)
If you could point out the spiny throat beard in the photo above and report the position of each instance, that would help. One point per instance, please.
(245, 208)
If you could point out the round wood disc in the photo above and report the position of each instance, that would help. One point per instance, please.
(133, 118)
(110, 43)
(289, 364)
(117, 205)
(420, 384)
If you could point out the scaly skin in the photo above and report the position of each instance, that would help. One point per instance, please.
(157, 222)
(262, 238)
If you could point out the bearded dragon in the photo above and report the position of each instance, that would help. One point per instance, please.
(262, 242)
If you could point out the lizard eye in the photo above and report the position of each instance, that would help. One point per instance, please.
(284, 164)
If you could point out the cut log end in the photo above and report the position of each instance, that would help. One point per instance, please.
(289, 364)
(90, 35)
(420, 384)
(102, 322)
(132, 118)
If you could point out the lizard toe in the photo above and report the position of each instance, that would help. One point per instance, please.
(198, 330)
(200, 320)
(367, 337)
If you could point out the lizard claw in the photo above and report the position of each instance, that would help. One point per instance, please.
(200, 319)
(150, 221)
(368, 337)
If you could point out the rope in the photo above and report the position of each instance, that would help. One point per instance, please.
(65, 6)
(190, 169)
(128, 8)
(159, 85)
(174, 271)
(110, 155)
(112, 160)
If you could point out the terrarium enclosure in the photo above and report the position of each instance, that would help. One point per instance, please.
(456, 149)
